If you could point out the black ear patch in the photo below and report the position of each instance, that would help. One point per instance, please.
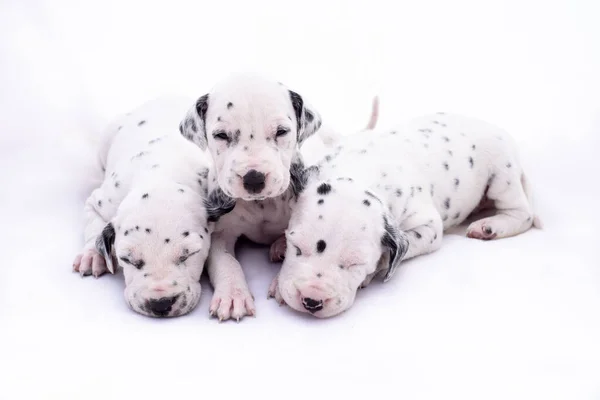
(193, 126)
(299, 176)
(298, 105)
(397, 243)
(104, 244)
(218, 204)
(308, 120)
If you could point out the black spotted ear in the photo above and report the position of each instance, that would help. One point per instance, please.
(193, 126)
(396, 242)
(308, 120)
(299, 175)
(105, 243)
(218, 204)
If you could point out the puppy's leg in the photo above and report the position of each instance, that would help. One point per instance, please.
(514, 214)
(277, 250)
(424, 229)
(90, 261)
(232, 298)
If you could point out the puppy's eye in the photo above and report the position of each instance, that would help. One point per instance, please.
(281, 131)
(298, 251)
(220, 135)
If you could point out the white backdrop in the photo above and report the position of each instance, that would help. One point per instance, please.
(515, 318)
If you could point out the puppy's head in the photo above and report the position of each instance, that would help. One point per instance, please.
(161, 237)
(340, 235)
(252, 127)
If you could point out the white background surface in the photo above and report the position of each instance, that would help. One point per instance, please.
(516, 318)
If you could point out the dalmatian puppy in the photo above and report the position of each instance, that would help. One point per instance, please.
(388, 196)
(152, 215)
(253, 128)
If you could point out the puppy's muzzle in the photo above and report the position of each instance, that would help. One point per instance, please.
(254, 181)
(162, 307)
(312, 305)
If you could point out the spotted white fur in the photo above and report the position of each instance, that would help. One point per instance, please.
(253, 128)
(151, 213)
(388, 196)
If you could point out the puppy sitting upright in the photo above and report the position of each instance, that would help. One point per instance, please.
(152, 215)
(388, 196)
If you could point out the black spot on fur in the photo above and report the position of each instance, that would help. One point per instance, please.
(206, 230)
(119, 128)
(236, 137)
(418, 235)
(309, 116)
(142, 122)
(324, 188)
(145, 196)
(229, 105)
(471, 162)
(450, 153)
(180, 190)
(126, 233)
(252, 136)
(185, 234)
(366, 202)
(327, 158)
(321, 245)
(148, 230)
(419, 188)
(431, 188)
(218, 119)
(155, 166)
(363, 151)
(473, 147)
(446, 166)
(398, 192)
(456, 182)
(412, 191)
(446, 139)
(447, 203)
(99, 203)
(137, 228)
(167, 240)
(445, 218)
(508, 165)
(457, 215)
(117, 184)
(321, 201)
(320, 217)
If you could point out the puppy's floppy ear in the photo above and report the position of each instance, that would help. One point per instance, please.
(299, 175)
(193, 126)
(396, 241)
(218, 204)
(104, 245)
(308, 120)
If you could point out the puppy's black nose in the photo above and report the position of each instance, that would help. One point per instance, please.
(162, 306)
(254, 181)
(312, 305)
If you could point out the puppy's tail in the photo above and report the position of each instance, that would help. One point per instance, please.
(374, 114)
(537, 222)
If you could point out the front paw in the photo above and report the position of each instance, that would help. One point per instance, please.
(232, 301)
(90, 262)
(277, 250)
(274, 291)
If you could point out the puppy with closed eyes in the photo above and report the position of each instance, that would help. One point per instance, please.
(387, 196)
(153, 214)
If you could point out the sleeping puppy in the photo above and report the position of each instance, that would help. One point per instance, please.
(253, 127)
(384, 197)
(152, 214)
